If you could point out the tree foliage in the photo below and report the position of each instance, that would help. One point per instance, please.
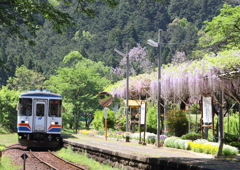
(129, 22)
(99, 120)
(25, 79)
(80, 85)
(223, 31)
(181, 35)
(27, 15)
(8, 103)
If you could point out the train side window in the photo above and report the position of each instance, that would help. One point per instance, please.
(54, 108)
(25, 107)
(40, 110)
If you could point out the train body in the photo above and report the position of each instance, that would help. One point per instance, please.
(39, 121)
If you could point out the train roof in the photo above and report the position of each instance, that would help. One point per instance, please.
(39, 93)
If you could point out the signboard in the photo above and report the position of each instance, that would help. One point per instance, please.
(143, 110)
(207, 109)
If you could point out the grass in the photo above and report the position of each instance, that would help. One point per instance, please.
(68, 154)
(6, 164)
(6, 140)
(82, 159)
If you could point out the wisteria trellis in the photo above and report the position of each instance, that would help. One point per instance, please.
(190, 78)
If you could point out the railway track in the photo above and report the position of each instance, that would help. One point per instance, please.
(55, 162)
(39, 160)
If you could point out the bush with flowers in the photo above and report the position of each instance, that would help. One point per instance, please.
(162, 138)
(121, 122)
(200, 146)
(175, 142)
(149, 137)
(88, 132)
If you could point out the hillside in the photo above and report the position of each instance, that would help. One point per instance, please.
(113, 28)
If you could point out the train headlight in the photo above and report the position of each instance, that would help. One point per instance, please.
(54, 123)
(24, 121)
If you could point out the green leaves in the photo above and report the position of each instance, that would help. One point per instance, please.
(223, 31)
(8, 103)
(25, 79)
(80, 84)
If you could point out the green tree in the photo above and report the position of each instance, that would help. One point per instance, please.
(223, 31)
(152, 119)
(8, 103)
(25, 79)
(80, 85)
(195, 11)
(177, 122)
(31, 14)
(181, 35)
(99, 120)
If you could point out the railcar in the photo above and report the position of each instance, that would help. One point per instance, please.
(39, 121)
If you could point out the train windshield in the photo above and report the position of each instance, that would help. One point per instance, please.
(25, 107)
(55, 108)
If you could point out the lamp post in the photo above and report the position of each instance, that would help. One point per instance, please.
(154, 44)
(127, 85)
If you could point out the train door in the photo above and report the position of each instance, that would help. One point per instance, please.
(40, 115)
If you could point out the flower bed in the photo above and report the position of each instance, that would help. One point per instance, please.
(88, 132)
(200, 146)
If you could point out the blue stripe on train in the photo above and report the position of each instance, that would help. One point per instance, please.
(23, 128)
(55, 130)
(42, 95)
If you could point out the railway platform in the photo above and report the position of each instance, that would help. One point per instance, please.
(132, 155)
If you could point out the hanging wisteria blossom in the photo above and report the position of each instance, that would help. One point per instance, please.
(188, 79)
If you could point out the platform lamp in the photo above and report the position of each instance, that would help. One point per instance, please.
(127, 87)
(157, 44)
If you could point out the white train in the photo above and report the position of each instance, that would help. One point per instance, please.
(39, 119)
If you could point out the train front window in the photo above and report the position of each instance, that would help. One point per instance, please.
(40, 110)
(25, 108)
(55, 108)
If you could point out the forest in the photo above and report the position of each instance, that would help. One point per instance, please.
(130, 22)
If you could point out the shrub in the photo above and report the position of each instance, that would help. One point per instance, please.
(152, 119)
(196, 147)
(232, 126)
(121, 122)
(177, 122)
(183, 144)
(191, 136)
(229, 150)
(176, 143)
(99, 121)
(199, 141)
(89, 132)
(202, 146)
(162, 138)
(169, 142)
(151, 139)
(232, 140)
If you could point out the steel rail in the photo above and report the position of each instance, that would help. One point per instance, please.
(77, 166)
(43, 161)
